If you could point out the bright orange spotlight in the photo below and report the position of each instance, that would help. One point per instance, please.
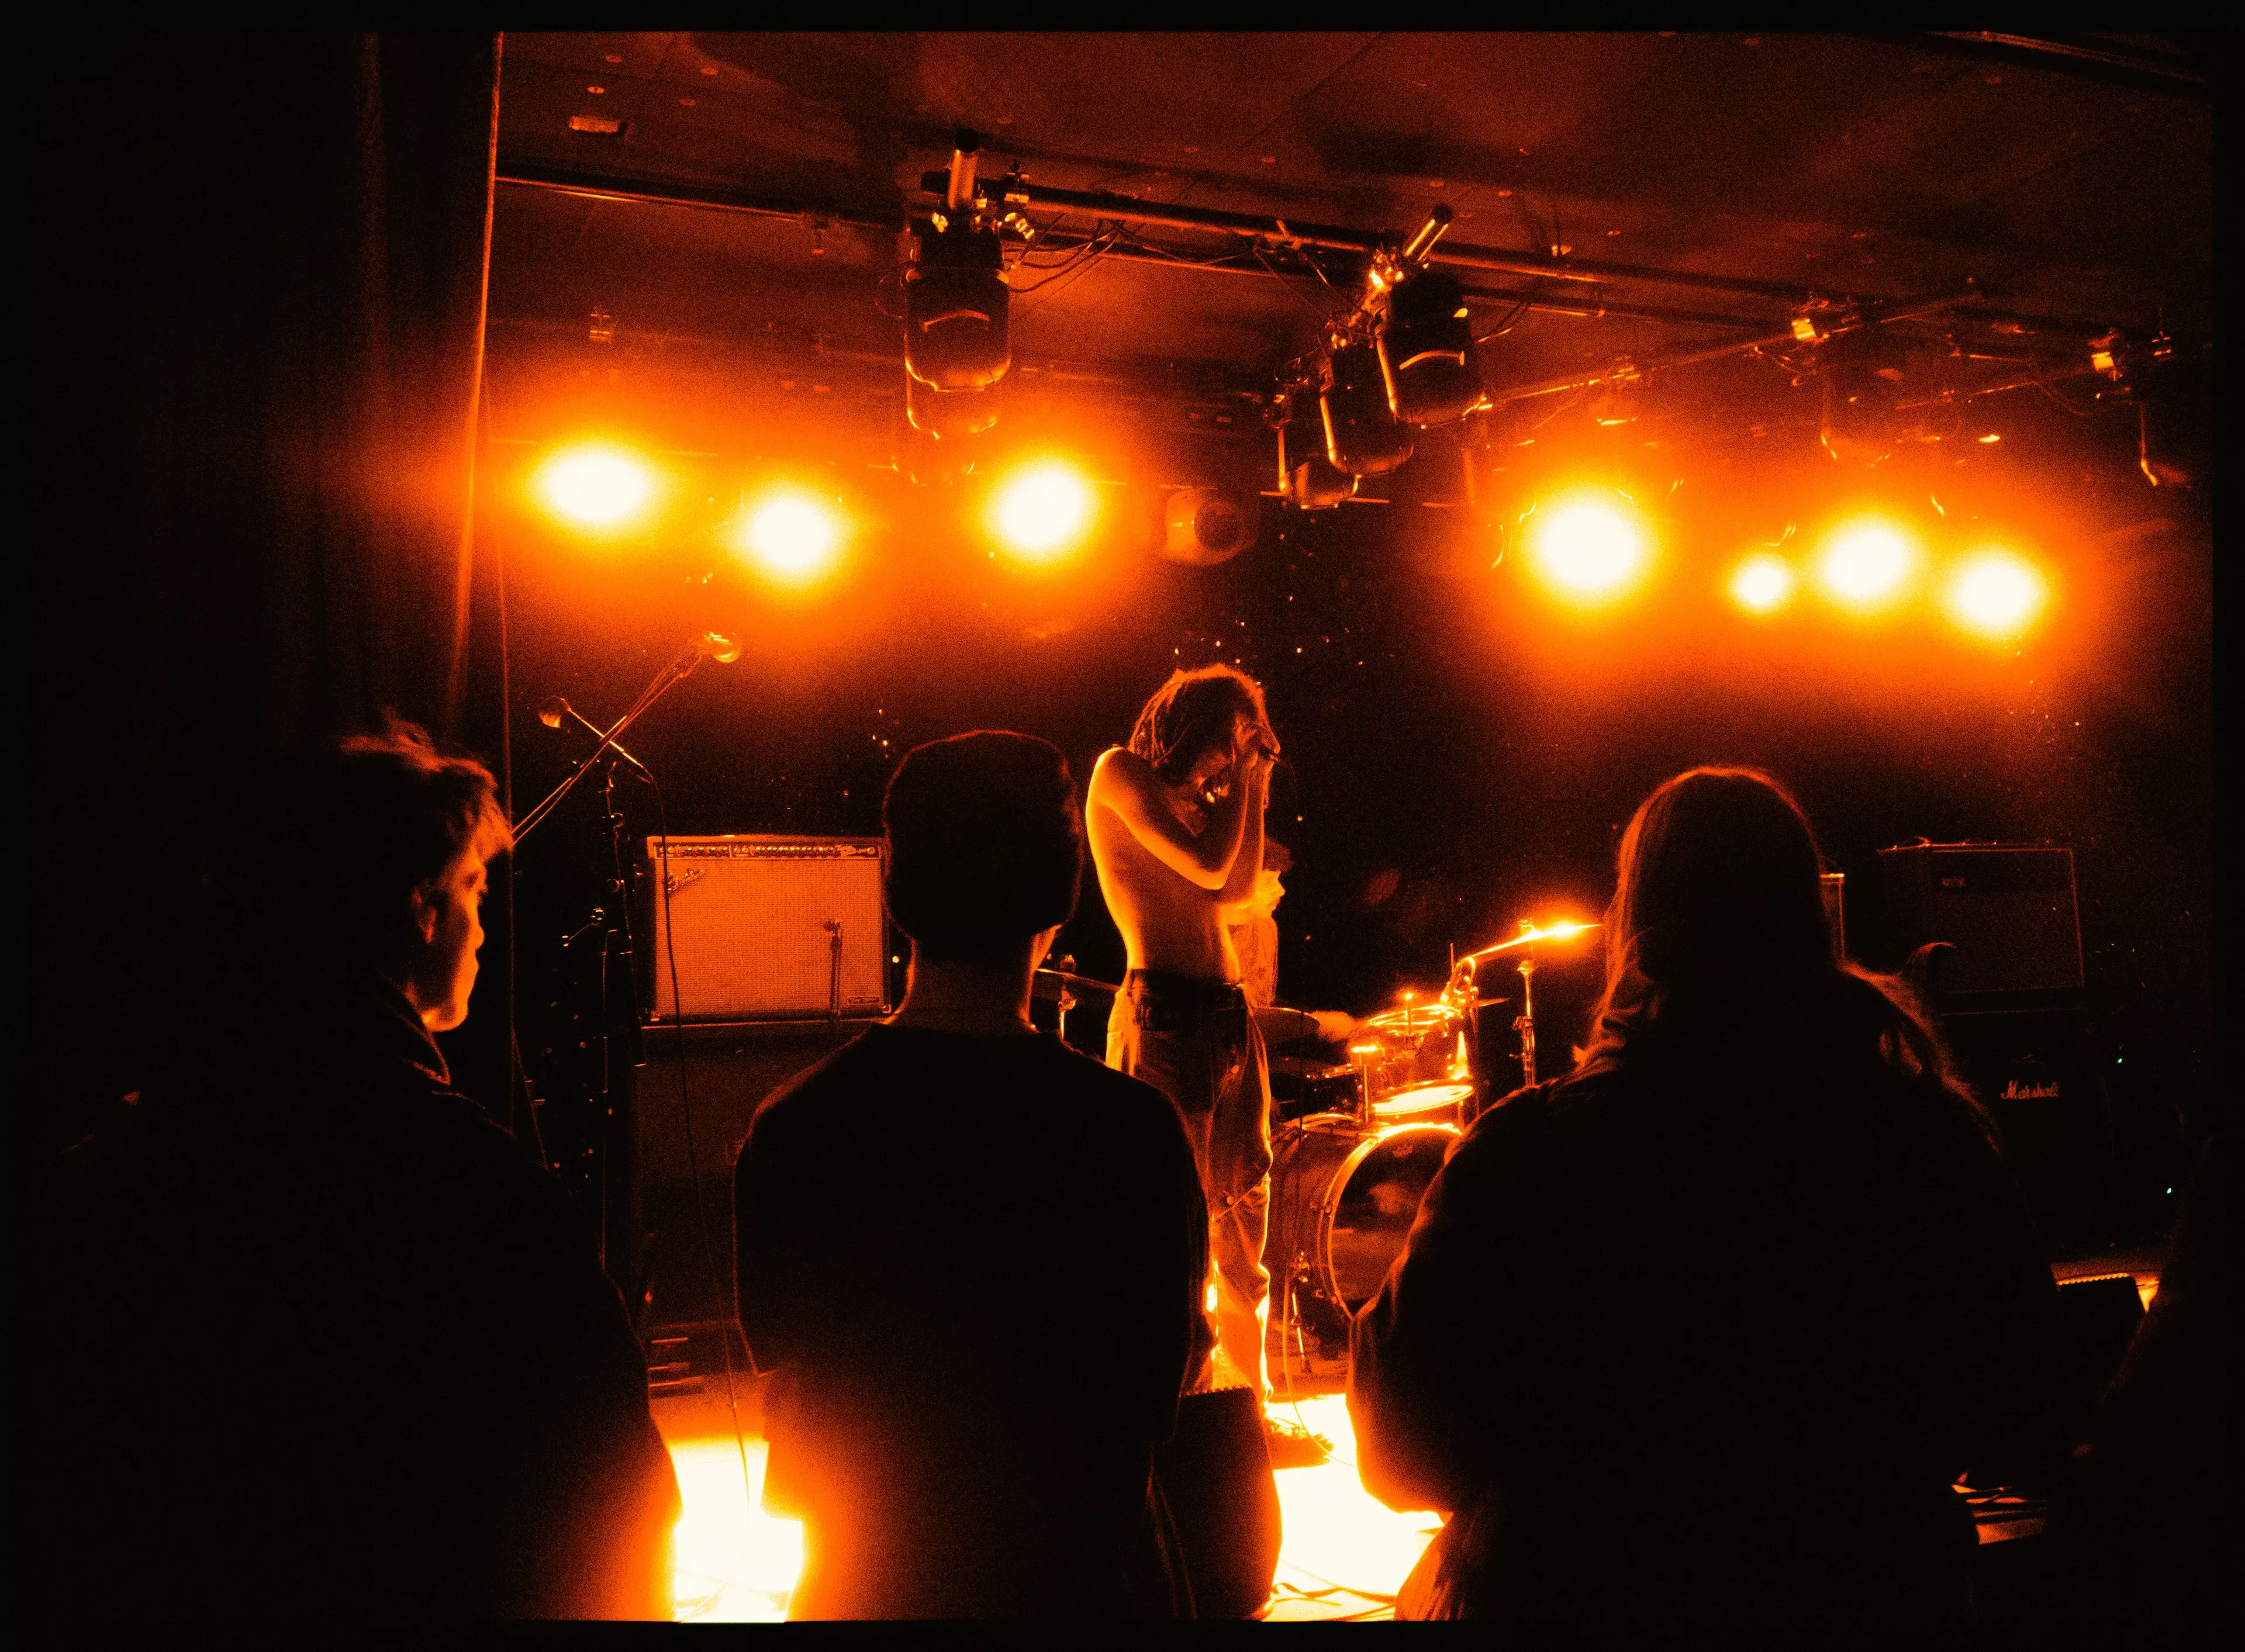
(1589, 549)
(596, 485)
(1762, 583)
(791, 536)
(1867, 565)
(1043, 510)
(1995, 593)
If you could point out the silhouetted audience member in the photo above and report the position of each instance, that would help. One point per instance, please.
(2139, 1527)
(333, 1347)
(971, 1258)
(1708, 1327)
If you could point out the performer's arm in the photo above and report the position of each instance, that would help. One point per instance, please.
(1125, 784)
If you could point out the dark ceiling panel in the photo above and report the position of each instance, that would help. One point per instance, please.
(1838, 162)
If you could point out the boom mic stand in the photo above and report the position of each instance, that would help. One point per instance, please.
(622, 1049)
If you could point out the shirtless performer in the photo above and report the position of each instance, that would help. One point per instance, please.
(1176, 825)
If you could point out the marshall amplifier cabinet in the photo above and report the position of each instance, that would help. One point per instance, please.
(2007, 910)
(766, 928)
(2031, 1069)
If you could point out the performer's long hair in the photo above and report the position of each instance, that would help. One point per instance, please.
(1717, 938)
(1191, 712)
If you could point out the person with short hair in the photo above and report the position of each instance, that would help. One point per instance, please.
(1174, 820)
(338, 1348)
(968, 1258)
(1707, 1328)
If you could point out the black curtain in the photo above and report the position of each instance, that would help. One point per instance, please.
(258, 330)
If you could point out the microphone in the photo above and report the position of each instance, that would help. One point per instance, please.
(722, 649)
(554, 711)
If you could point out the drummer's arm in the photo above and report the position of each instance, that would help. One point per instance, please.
(1281, 1024)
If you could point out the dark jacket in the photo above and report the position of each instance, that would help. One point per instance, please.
(1677, 1339)
(973, 1266)
(332, 1346)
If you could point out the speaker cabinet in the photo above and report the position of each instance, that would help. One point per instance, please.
(766, 926)
(2031, 1069)
(2004, 913)
(729, 1070)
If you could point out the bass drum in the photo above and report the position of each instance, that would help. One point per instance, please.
(1342, 1203)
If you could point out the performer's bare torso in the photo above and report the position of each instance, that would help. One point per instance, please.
(1169, 864)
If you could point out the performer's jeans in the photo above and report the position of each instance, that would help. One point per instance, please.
(1196, 1041)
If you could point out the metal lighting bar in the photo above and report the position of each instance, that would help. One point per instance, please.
(531, 176)
(1287, 232)
(1283, 231)
(1880, 317)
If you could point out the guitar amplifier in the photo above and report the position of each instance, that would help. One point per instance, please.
(2008, 909)
(766, 928)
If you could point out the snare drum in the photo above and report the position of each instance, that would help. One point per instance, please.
(1342, 1203)
(1415, 1064)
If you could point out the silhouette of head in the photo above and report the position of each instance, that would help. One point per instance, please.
(369, 853)
(1719, 886)
(986, 843)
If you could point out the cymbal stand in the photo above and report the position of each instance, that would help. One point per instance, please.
(1524, 1023)
(1463, 992)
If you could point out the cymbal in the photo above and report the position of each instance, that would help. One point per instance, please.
(1530, 935)
(1080, 980)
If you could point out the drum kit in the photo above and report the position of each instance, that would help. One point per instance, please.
(1347, 1178)
(1346, 1182)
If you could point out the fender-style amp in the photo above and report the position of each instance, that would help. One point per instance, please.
(766, 927)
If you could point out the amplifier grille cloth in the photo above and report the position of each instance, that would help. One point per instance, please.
(753, 938)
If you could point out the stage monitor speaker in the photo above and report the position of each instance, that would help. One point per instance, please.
(766, 928)
(1215, 1474)
(2003, 913)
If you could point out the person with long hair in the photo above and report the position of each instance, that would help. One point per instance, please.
(1174, 822)
(1708, 1327)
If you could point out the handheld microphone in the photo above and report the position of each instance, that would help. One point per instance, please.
(722, 649)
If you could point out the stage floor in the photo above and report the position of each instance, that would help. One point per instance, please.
(1343, 1555)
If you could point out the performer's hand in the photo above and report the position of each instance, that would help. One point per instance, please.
(1336, 1026)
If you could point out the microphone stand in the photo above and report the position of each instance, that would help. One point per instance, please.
(622, 1046)
(665, 680)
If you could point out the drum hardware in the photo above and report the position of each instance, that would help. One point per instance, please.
(1060, 984)
(1461, 987)
(1414, 1062)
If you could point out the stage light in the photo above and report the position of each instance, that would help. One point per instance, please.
(1762, 583)
(1203, 526)
(790, 535)
(596, 485)
(1363, 436)
(1995, 593)
(957, 306)
(1867, 565)
(1427, 351)
(950, 416)
(1587, 548)
(1041, 511)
